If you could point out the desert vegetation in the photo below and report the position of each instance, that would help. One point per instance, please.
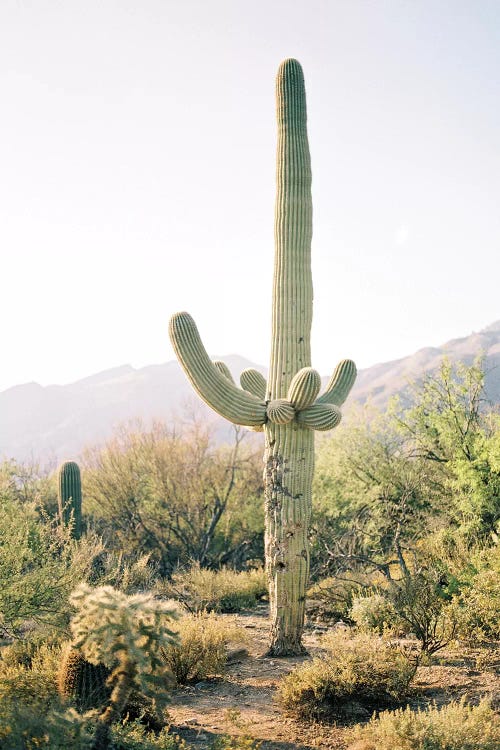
(135, 612)
(113, 636)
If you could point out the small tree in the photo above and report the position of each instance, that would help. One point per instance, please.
(125, 633)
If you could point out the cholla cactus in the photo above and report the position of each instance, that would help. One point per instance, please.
(126, 634)
(287, 406)
(69, 497)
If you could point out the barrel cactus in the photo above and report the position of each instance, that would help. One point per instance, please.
(287, 406)
(70, 497)
(81, 683)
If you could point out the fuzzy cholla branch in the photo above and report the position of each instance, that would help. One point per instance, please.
(108, 622)
(126, 633)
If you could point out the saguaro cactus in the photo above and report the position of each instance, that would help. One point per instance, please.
(287, 407)
(70, 496)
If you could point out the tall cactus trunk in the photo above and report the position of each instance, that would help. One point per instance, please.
(287, 407)
(289, 448)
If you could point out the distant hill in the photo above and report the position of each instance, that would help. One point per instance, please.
(55, 422)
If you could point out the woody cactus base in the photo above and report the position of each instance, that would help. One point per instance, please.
(287, 407)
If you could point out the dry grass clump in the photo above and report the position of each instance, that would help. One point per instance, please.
(202, 648)
(222, 590)
(356, 672)
(454, 727)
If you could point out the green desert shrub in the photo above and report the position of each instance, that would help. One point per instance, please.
(480, 601)
(424, 606)
(373, 612)
(39, 565)
(128, 573)
(222, 590)
(30, 683)
(453, 727)
(31, 715)
(332, 597)
(202, 648)
(22, 728)
(134, 736)
(357, 669)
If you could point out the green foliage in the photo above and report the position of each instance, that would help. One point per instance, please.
(359, 668)
(421, 601)
(449, 426)
(453, 727)
(480, 600)
(134, 736)
(39, 565)
(372, 497)
(31, 715)
(202, 649)
(373, 612)
(130, 573)
(332, 598)
(222, 590)
(176, 496)
(69, 497)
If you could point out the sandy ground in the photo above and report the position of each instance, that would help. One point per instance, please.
(243, 700)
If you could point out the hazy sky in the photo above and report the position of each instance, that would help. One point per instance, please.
(137, 147)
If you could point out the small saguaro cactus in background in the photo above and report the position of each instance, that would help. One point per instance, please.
(69, 496)
(287, 406)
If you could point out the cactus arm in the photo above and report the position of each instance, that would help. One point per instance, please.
(223, 369)
(340, 384)
(236, 405)
(320, 416)
(304, 388)
(254, 382)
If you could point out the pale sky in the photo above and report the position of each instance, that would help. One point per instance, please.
(137, 164)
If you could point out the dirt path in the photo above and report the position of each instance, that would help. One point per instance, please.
(242, 702)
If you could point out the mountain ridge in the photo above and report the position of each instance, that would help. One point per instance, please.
(54, 422)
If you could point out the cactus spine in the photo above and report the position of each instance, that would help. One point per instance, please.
(287, 407)
(70, 497)
(81, 683)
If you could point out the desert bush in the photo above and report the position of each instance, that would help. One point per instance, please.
(22, 728)
(40, 564)
(373, 612)
(202, 648)
(422, 602)
(30, 684)
(453, 727)
(134, 736)
(332, 598)
(31, 715)
(222, 590)
(175, 493)
(361, 669)
(480, 600)
(130, 573)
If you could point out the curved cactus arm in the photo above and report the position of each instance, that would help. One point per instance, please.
(340, 384)
(304, 388)
(214, 388)
(254, 382)
(320, 416)
(223, 369)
